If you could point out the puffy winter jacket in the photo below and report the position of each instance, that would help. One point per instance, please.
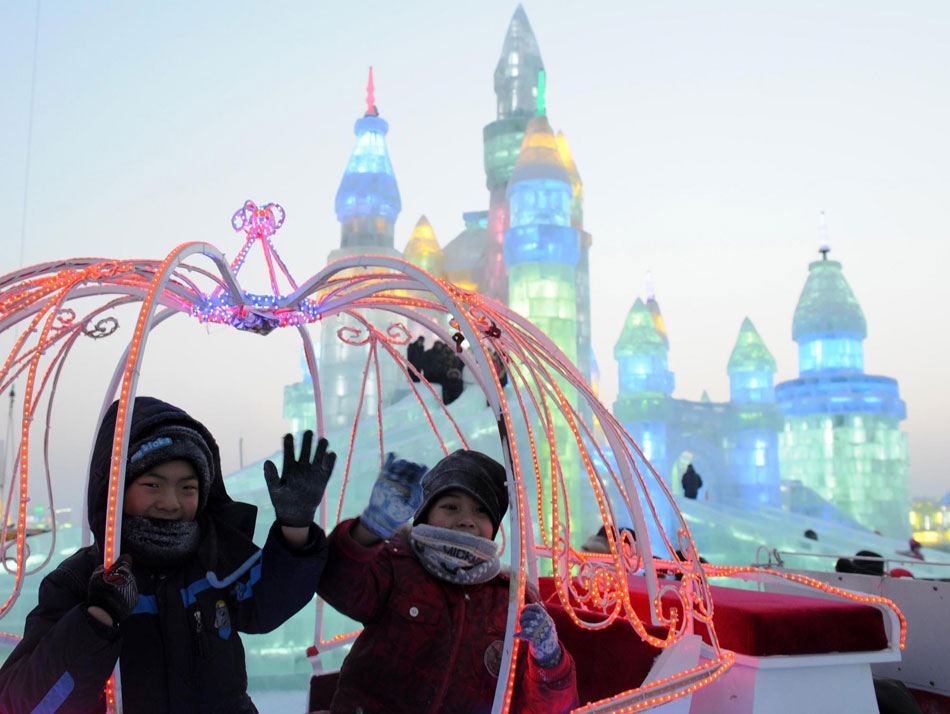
(427, 645)
(179, 650)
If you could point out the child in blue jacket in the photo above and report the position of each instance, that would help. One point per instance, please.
(189, 578)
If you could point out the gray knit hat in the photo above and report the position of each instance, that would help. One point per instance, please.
(172, 442)
(478, 475)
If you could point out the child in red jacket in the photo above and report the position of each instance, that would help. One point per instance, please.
(433, 599)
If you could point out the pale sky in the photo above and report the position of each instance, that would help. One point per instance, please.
(709, 136)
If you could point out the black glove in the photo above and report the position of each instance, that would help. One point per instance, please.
(298, 490)
(114, 590)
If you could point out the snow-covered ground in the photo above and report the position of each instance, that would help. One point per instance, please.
(281, 702)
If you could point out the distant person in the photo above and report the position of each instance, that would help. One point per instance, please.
(598, 542)
(915, 548)
(865, 562)
(811, 535)
(416, 355)
(500, 368)
(692, 482)
(439, 365)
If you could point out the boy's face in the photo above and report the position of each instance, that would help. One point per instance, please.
(456, 510)
(168, 490)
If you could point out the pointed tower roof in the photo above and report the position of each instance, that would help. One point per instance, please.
(750, 353)
(705, 397)
(516, 74)
(827, 303)
(539, 157)
(423, 249)
(368, 187)
(639, 336)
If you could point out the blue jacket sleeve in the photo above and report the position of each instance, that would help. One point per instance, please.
(279, 584)
(65, 657)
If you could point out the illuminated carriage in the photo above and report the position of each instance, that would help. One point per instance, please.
(545, 423)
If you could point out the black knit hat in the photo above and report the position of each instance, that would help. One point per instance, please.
(172, 442)
(478, 475)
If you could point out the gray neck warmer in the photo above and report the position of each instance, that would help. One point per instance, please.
(158, 543)
(455, 556)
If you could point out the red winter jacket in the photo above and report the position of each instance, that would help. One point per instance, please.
(427, 645)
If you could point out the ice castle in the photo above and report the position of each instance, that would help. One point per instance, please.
(827, 444)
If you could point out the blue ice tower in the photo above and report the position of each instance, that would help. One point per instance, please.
(842, 434)
(541, 247)
(367, 201)
(753, 447)
(645, 388)
(367, 205)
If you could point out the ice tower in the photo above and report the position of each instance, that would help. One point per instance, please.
(541, 247)
(423, 249)
(842, 433)
(516, 89)
(756, 421)
(644, 384)
(367, 201)
(367, 205)
(645, 387)
(541, 251)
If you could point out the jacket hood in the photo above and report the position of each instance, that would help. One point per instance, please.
(149, 414)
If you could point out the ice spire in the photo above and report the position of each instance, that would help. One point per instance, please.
(644, 387)
(639, 335)
(423, 249)
(371, 110)
(827, 304)
(753, 446)
(539, 157)
(517, 71)
(823, 246)
(750, 353)
(367, 201)
(516, 92)
(541, 248)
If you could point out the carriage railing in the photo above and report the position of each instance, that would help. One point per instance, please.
(550, 450)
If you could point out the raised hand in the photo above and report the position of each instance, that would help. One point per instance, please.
(537, 629)
(298, 490)
(396, 496)
(114, 590)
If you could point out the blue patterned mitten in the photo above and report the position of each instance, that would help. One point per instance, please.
(396, 496)
(537, 628)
